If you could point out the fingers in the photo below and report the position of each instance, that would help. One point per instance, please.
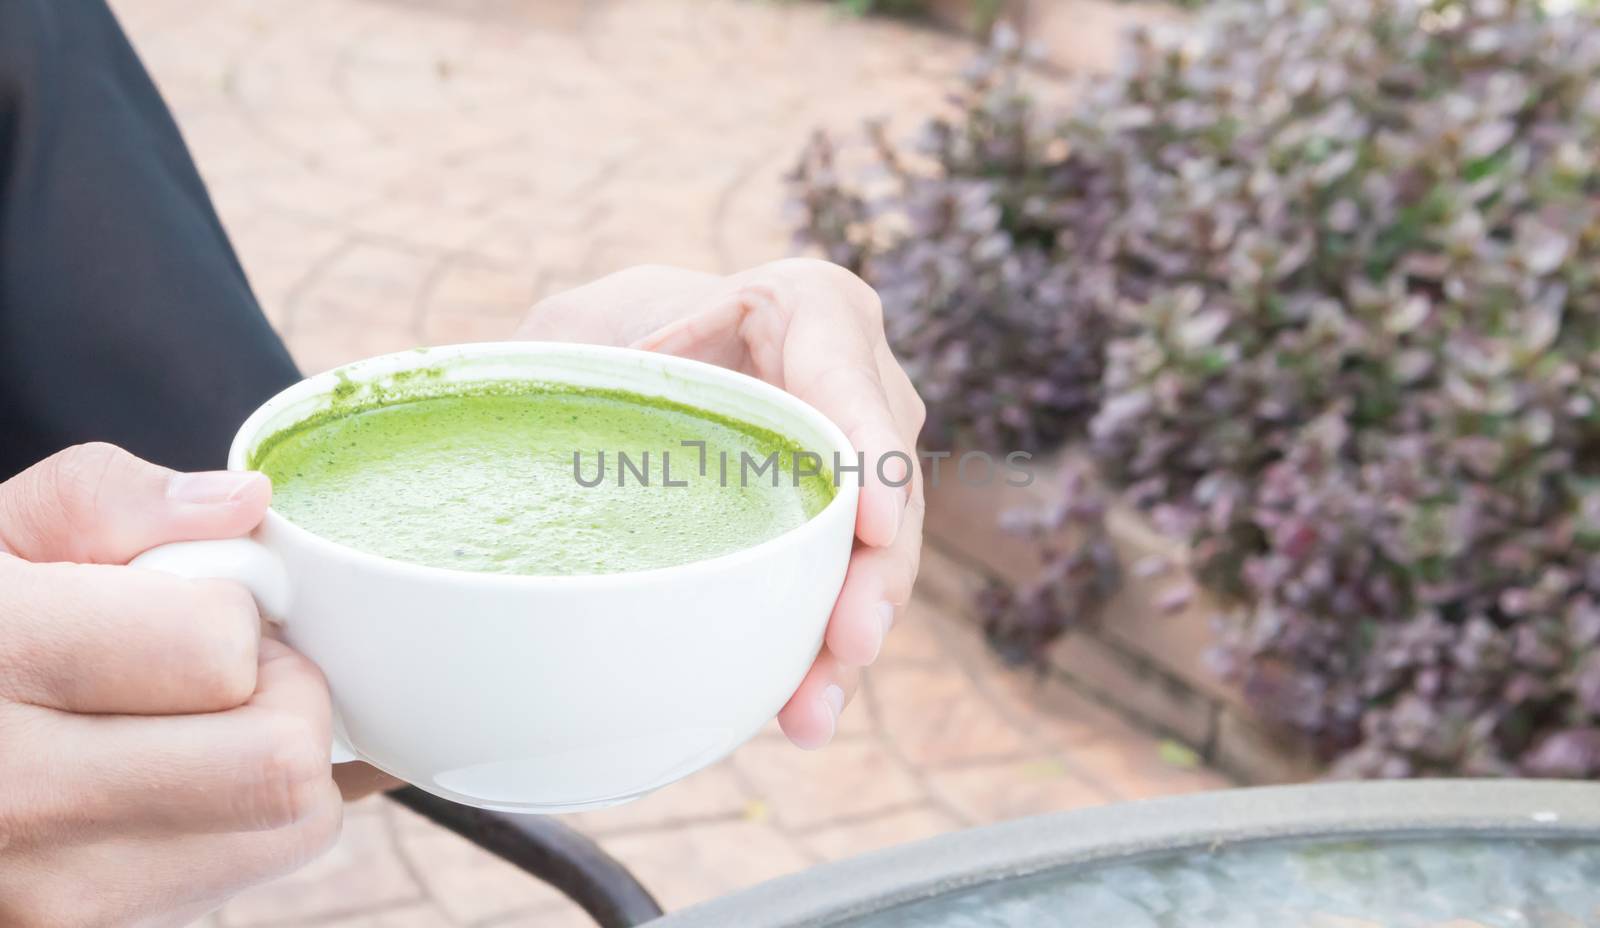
(910, 413)
(879, 581)
(262, 766)
(175, 879)
(620, 308)
(887, 462)
(290, 684)
(815, 330)
(876, 588)
(100, 639)
(830, 359)
(811, 717)
(710, 335)
(811, 328)
(96, 503)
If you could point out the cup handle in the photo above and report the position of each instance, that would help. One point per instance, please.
(244, 561)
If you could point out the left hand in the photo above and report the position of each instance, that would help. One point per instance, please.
(816, 330)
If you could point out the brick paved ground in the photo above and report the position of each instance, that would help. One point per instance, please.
(398, 172)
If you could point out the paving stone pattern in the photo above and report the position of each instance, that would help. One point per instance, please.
(404, 172)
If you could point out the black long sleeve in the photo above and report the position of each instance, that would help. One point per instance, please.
(124, 313)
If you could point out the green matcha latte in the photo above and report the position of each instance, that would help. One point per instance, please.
(484, 479)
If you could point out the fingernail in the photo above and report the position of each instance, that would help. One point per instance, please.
(886, 616)
(833, 698)
(211, 487)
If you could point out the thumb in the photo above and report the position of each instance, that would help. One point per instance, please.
(98, 504)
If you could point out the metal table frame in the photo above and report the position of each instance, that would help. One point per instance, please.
(548, 850)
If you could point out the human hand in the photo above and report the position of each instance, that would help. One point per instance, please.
(157, 755)
(816, 330)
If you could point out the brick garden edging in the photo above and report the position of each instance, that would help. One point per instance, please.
(1145, 661)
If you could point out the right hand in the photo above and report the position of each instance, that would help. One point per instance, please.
(157, 755)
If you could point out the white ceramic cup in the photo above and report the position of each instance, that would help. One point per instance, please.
(545, 694)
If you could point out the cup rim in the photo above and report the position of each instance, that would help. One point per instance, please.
(845, 496)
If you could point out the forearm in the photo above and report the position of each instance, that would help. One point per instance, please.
(124, 313)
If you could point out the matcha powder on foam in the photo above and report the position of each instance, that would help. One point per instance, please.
(484, 479)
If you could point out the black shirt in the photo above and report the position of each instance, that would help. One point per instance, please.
(124, 313)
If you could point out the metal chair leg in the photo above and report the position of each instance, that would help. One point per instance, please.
(551, 852)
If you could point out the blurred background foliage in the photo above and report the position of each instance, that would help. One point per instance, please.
(1314, 282)
(979, 14)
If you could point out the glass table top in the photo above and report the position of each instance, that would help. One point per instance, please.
(1477, 881)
